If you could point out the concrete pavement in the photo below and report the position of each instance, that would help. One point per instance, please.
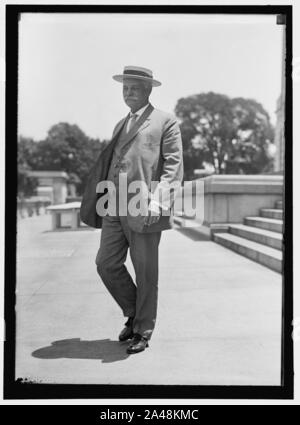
(219, 314)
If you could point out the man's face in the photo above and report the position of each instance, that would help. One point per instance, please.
(135, 94)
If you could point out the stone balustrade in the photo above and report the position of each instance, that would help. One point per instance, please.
(29, 207)
(230, 198)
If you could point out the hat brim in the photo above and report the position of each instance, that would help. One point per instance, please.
(120, 78)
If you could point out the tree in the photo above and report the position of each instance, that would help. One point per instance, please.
(26, 183)
(230, 134)
(67, 148)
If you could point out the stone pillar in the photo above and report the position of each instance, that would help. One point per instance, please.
(60, 190)
(55, 218)
(74, 222)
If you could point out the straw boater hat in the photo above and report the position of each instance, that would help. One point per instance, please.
(137, 72)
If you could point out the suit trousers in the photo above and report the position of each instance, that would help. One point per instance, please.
(136, 300)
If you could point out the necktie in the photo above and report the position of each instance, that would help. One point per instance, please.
(132, 121)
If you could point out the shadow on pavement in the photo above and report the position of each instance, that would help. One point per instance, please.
(103, 349)
(69, 229)
(195, 236)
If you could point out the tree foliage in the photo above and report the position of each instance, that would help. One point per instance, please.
(66, 148)
(230, 134)
(26, 183)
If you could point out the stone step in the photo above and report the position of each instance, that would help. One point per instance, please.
(265, 223)
(277, 214)
(279, 204)
(269, 257)
(262, 236)
(182, 221)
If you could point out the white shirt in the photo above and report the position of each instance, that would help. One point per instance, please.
(138, 113)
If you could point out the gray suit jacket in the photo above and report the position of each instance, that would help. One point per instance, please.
(152, 152)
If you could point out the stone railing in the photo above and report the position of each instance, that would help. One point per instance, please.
(29, 207)
(230, 198)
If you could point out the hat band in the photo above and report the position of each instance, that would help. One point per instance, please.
(140, 73)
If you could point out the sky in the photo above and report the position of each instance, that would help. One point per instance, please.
(66, 64)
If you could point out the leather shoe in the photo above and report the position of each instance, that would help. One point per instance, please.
(127, 332)
(138, 344)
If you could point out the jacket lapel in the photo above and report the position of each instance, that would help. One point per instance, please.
(140, 124)
(144, 125)
(120, 126)
(116, 133)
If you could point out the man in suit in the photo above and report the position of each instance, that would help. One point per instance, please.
(146, 147)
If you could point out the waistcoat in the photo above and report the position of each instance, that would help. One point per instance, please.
(116, 165)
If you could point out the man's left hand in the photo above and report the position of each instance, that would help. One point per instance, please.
(153, 215)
